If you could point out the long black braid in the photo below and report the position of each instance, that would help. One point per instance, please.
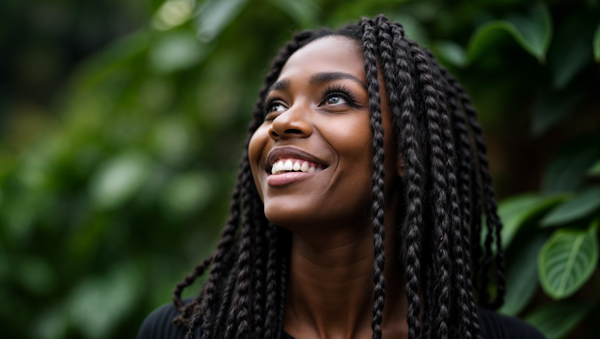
(369, 40)
(439, 207)
(398, 83)
(493, 223)
(446, 186)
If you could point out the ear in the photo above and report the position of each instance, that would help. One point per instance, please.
(400, 165)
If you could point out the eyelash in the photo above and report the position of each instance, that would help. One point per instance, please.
(268, 104)
(341, 91)
(330, 91)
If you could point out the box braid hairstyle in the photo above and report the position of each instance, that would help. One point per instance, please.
(446, 189)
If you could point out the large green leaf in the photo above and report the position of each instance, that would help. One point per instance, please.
(571, 50)
(521, 277)
(516, 211)
(533, 33)
(567, 260)
(582, 205)
(597, 44)
(557, 319)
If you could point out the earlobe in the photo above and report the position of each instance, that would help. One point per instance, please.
(400, 165)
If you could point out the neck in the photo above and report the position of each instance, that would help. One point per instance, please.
(330, 289)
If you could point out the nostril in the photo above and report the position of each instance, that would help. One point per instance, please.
(274, 134)
(293, 131)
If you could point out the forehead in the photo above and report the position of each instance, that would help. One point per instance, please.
(328, 54)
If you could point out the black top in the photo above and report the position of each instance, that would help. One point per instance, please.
(158, 325)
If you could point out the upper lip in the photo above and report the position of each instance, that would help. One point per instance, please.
(290, 152)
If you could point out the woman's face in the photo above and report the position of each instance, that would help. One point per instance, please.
(312, 157)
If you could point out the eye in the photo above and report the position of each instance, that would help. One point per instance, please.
(335, 100)
(338, 97)
(276, 107)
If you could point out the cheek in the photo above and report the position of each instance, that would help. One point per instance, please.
(257, 150)
(351, 138)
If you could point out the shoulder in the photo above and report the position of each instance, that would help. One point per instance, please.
(496, 326)
(159, 324)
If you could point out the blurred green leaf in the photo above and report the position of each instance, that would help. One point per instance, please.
(175, 52)
(303, 12)
(17, 219)
(557, 319)
(115, 55)
(187, 192)
(516, 211)
(580, 206)
(36, 275)
(522, 277)
(594, 171)
(571, 50)
(533, 33)
(118, 179)
(554, 107)
(98, 304)
(173, 13)
(450, 52)
(214, 15)
(597, 44)
(4, 264)
(51, 324)
(567, 260)
(413, 29)
(174, 140)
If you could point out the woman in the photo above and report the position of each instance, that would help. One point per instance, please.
(358, 199)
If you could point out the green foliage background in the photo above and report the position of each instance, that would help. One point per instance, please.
(120, 142)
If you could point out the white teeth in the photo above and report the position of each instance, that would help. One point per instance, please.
(288, 165)
(304, 167)
(279, 166)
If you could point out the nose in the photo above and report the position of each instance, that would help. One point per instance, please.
(292, 123)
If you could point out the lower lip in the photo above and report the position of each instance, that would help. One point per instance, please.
(275, 180)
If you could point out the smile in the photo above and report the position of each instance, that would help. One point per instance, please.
(288, 159)
(285, 165)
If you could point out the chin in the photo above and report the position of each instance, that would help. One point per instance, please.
(287, 216)
(302, 215)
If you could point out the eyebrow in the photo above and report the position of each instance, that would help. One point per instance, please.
(320, 78)
(317, 79)
(279, 85)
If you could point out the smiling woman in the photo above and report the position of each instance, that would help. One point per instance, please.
(358, 198)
